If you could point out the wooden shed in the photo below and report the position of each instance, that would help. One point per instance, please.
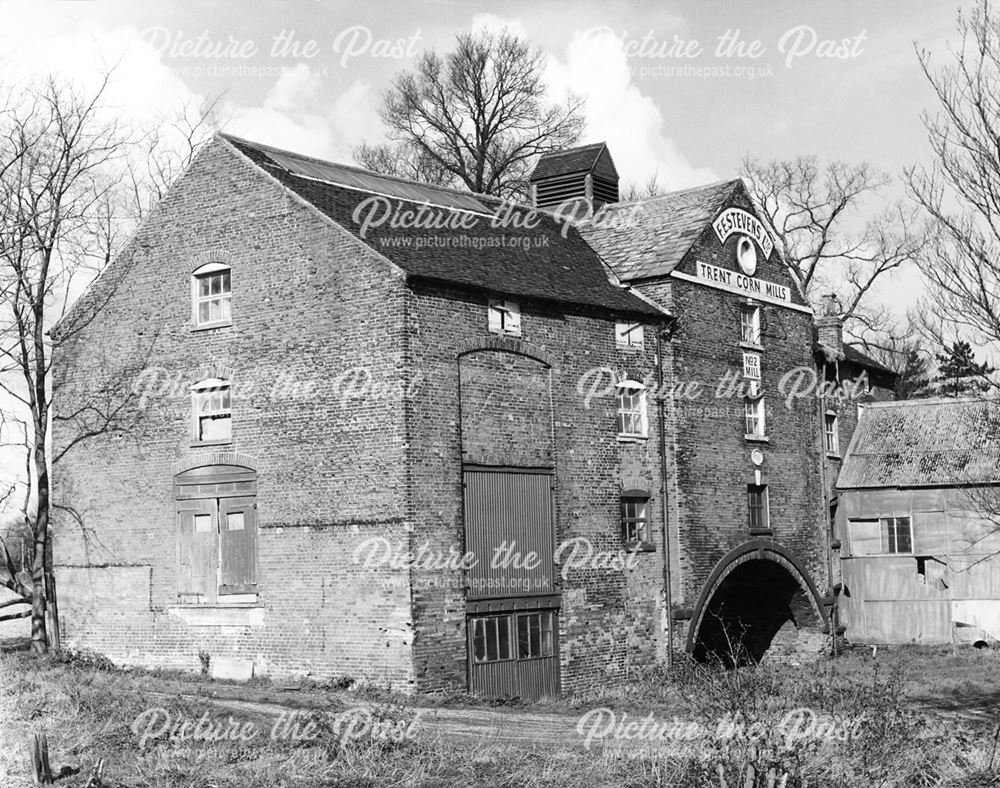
(918, 523)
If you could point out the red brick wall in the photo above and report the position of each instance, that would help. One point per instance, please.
(309, 305)
(610, 619)
(710, 456)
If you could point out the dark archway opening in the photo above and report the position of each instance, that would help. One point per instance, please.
(757, 606)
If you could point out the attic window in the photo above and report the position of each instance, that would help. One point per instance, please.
(504, 317)
(628, 334)
(211, 296)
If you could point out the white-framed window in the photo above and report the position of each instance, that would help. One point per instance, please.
(750, 324)
(631, 405)
(760, 515)
(628, 334)
(504, 317)
(897, 535)
(212, 413)
(754, 410)
(635, 517)
(212, 295)
(831, 433)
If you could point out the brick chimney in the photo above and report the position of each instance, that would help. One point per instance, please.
(830, 324)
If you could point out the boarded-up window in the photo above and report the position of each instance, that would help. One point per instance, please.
(865, 537)
(217, 548)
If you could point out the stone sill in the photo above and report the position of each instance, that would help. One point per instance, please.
(632, 438)
(210, 326)
(752, 346)
(202, 444)
(220, 615)
(640, 547)
(833, 455)
(756, 438)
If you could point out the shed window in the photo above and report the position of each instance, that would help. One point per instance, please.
(212, 294)
(212, 409)
(504, 317)
(631, 401)
(864, 537)
(897, 535)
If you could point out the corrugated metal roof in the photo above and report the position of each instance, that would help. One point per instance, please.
(547, 261)
(924, 442)
(650, 237)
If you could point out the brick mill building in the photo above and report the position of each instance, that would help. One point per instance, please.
(320, 391)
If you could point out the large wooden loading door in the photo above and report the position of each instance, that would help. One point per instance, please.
(512, 602)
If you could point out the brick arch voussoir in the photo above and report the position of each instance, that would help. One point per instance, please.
(753, 550)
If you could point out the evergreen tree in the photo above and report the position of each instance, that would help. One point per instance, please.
(913, 380)
(959, 374)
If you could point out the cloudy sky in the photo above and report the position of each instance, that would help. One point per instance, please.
(679, 90)
(674, 88)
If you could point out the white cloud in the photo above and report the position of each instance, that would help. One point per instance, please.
(617, 112)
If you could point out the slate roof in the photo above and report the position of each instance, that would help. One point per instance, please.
(856, 356)
(564, 269)
(924, 442)
(650, 237)
(587, 158)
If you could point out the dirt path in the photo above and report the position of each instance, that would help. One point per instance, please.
(469, 726)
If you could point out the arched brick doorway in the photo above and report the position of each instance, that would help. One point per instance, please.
(758, 598)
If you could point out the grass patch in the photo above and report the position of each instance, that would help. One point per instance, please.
(91, 711)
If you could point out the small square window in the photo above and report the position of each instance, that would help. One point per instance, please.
(202, 523)
(750, 324)
(504, 317)
(628, 334)
(635, 519)
(491, 638)
(234, 521)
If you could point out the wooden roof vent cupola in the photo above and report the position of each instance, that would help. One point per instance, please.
(586, 172)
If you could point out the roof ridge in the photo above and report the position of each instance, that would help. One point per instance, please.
(942, 400)
(450, 189)
(675, 192)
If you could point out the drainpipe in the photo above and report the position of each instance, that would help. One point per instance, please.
(667, 596)
(827, 523)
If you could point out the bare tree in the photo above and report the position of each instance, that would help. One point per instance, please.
(476, 118)
(651, 188)
(69, 192)
(959, 191)
(817, 215)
